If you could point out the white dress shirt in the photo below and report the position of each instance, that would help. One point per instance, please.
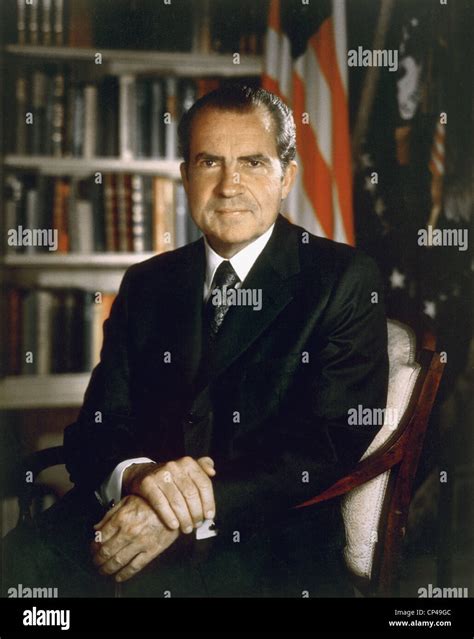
(111, 489)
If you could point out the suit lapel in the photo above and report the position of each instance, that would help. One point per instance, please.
(182, 304)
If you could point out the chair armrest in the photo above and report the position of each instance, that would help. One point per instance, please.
(34, 464)
(376, 464)
(42, 459)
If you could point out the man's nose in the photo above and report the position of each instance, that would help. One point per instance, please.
(230, 183)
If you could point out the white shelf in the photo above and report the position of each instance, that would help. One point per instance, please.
(76, 260)
(86, 166)
(43, 391)
(117, 61)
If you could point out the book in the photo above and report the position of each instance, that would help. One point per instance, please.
(58, 115)
(78, 121)
(108, 109)
(164, 232)
(21, 109)
(21, 21)
(33, 22)
(110, 213)
(44, 329)
(138, 213)
(90, 121)
(60, 206)
(123, 215)
(14, 306)
(127, 119)
(171, 118)
(156, 119)
(142, 118)
(96, 194)
(58, 23)
(15, 194)
(29, 334)
(46, 22)
(39, 127)
(81, 15)
(81, 223)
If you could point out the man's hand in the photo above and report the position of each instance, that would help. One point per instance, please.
(132, 536)
(180, 492)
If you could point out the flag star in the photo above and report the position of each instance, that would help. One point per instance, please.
(369, 185)
(443, 297)
(379, 206)
(397, 279)
(429, 309)
(366, 160)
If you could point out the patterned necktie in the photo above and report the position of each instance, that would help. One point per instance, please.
(216, 307)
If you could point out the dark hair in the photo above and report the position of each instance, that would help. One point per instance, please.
(237, 97)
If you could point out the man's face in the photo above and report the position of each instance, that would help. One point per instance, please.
(234, 180)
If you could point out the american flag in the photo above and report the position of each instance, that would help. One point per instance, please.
(306, 65)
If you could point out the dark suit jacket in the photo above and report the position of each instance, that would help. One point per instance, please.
(270, 405)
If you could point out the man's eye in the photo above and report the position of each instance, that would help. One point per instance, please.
(254, 163)
(208, 163)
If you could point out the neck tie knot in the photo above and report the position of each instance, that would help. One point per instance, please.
(225, 275)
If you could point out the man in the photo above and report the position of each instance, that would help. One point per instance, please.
(227, 372)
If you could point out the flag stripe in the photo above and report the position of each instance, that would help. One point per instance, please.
(315, 86)
(316, 176)
(323, 44)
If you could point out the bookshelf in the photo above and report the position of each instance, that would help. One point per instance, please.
(86, 166)
(118, 61)
(56, 177)
(22, 392)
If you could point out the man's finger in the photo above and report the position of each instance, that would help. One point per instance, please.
(134, 566)
(110, 513)
(207, 464)
(102, 552)
(179, 506)
(192, 496)
(120, 559)
(157, 499)
(206, 491)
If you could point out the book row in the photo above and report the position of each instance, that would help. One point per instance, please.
(198, 25)
(127, 116)
(110, 212)
(54, 330)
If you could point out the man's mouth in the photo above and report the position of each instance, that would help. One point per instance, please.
(231, 211)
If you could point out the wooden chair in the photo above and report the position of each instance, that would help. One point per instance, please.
(377, 493)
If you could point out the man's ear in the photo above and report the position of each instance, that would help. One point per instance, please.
(183, 167)
(289, 178)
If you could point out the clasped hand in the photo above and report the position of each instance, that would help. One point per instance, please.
(161, 500)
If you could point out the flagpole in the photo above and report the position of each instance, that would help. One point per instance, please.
(370, 82)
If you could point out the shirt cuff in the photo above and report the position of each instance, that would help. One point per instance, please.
(111, 489)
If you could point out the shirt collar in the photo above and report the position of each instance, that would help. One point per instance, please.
(241, 262)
